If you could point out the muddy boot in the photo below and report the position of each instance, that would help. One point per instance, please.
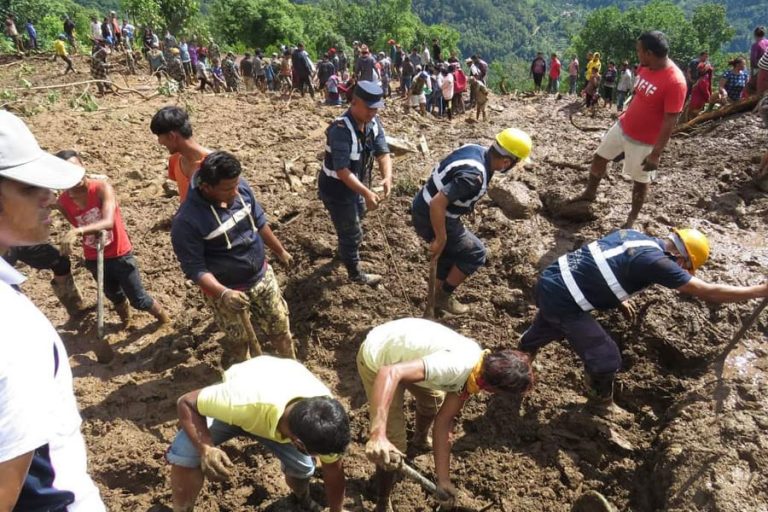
(103, 351)
(126, 315)
(300, 488)
(600, 397)
(69, 296)
(422, 439)
(385, 482)
(159, 313)
(447, 303)
(283, 343)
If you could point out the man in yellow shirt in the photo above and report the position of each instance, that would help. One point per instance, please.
(276, 402)
(61, 52)
(441, 369)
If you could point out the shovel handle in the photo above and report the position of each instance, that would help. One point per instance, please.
(745, 326)
(253, 340)
(417, 477)
(100, 242)
(429, 310)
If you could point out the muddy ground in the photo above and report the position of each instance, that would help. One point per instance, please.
(696, 436)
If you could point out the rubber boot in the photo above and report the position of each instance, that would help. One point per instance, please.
(124, 312)
(422, 438)
(283, 343)
(300, 488)
(385, 482)
(69, 296)
(159, 313)
(600, 397)
(447, 303)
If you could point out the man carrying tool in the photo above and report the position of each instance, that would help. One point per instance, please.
(455, 186)
(279, 404)
(603, 275)
(441, 369)
(91, 206)
(642, 132)
(173, 130)
(218, 236)
(353, 141)
(43, 458)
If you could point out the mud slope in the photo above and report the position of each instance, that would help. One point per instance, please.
(696, 437)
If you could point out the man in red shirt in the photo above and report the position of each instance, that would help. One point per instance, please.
(554, 75)
(643, 131)
(91, 206)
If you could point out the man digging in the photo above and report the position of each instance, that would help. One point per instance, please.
(442, 370)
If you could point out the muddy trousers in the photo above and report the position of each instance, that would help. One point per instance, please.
(596, 349)
(347, 216)
(462, 248)
(122, 281)
(428, 402)
(40, 257)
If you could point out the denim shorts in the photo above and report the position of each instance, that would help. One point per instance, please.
(292, 462)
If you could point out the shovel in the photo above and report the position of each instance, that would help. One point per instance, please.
(429, 310)
(253, 340)
(104, 353)
(745, 326)
(429, 486)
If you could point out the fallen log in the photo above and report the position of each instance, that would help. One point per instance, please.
(739, 107)
(585, 128)
(568, 165)
(85, 82)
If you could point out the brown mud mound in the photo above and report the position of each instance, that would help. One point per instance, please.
(689, 442)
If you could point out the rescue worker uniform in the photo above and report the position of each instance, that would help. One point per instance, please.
(463, 177)
(600, 275)
(349, 148)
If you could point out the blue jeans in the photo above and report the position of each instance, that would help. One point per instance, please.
(554, 85)
(621, 96)
(292, 462)
(122, 281)
(347, 216)
(462, 248)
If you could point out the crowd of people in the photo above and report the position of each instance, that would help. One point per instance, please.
(220, 235)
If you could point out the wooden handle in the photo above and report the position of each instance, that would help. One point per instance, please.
(429, 311)
(417, 477)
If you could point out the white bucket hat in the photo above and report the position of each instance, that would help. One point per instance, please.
(21, 158)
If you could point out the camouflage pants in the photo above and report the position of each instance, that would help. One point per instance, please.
(268, 310)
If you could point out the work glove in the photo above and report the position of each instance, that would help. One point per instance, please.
(69, 239)
(216, 465)
(384, 454)
(235, 300)
(446, 496)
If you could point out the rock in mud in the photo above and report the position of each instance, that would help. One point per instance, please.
(515, 199)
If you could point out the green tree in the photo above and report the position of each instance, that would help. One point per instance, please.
(712, 27)
(256, 22)
(143, 12)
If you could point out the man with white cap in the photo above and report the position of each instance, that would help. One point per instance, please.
(353, 141)
(42, 452)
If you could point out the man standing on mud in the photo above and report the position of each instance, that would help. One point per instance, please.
(173, 130)
(442, 370)
(603, 275)
(43, 463)
(275, 402)
(455, 186)
(218, 236)
(353, 141)
(642, 132)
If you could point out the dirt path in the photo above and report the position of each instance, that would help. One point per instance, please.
(696, 441)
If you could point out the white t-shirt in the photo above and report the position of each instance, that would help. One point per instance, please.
(37, 403)
(446, 85)
(448, 356)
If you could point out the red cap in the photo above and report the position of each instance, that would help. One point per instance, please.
(391, 41)
(332, 50)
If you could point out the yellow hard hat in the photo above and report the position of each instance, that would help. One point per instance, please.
(514, 142)
(696, 246)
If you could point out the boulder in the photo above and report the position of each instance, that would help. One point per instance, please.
(515, 199)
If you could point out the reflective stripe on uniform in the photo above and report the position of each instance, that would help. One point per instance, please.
(601, 260)
(230, 222)
(437, 178)
(354, 154)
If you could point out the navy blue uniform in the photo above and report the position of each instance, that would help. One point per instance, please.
(600, 276)
(222, 241)
(463, 177)
(349, 148)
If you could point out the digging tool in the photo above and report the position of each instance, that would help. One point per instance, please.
(103, 350)
(429, 311)
(253, 340)
(428, 485)
(745, 326)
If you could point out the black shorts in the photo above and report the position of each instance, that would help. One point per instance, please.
(40, 257)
